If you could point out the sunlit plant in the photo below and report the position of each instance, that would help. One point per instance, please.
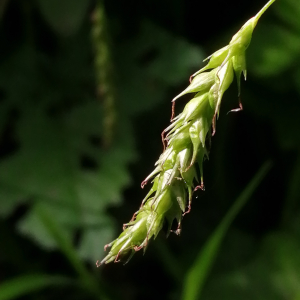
(186, 145)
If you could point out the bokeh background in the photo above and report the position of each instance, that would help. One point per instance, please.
(85, 91)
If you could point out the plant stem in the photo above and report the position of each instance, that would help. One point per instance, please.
(199, 271)
(104, 72)
(260, 13)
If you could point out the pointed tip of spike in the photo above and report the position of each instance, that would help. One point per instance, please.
(144, 183)
(98, 263)
(200, 71)
(207, 58)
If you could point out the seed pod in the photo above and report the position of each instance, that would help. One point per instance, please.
(178, 190)
(213, 96)
(188, 176)
(201, 82)
(203, 131)
(225, 78)
(192, 108)
(187, 171)
(152, 190)
(165, 179)
(164, 156)
(215, 60)
(195, 138)
(195, 107)
(128, 239)
(156, 170)
(180, 140)
(241, 40)
(167, 207)
(169, 161)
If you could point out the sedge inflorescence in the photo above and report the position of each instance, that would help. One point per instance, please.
(186, 145)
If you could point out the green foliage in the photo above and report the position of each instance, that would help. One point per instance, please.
(199, 271)
(273, 274)
(62, 193)
(23, 285)
(276, 56)
(172, 60)
(65, 17)
(45, 169)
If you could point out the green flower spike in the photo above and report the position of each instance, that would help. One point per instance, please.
(186, 146)
(234, 52)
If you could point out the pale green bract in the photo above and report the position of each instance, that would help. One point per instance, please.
(186, 141)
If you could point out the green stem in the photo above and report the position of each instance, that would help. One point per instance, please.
(62, 240)
(260, 13)
(104, 72)
(196, 276)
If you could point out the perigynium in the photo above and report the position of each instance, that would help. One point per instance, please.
(186, 142)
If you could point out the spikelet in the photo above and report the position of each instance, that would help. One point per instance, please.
(186, 143)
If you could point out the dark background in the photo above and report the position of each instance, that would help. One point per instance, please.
(72, 160)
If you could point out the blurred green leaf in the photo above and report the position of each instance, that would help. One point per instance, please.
(32, 226)
(289, 11)
(273, 274)
(23, 285)
(276, 54)
(47, 169)
(65, 17)
(94, 237)
(82, 201)
(281, 251)
(252, 285)
(43, 165)
(156, 60)
(19, 68)
(64, 244)
(198, 273)
(62, 240)
(52, 158)
(9, 199)
(175, 58)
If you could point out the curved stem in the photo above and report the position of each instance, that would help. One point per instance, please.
(260, 13)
